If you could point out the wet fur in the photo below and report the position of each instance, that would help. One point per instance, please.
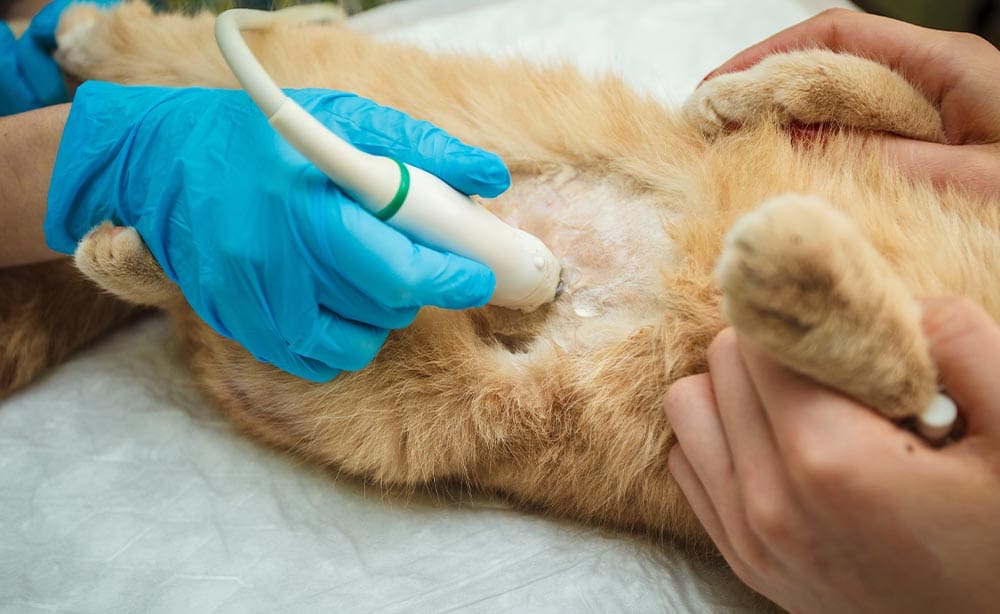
(552, 409)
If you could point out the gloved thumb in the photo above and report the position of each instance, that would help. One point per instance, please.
(965, 346)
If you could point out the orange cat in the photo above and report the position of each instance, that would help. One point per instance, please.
(561, 409)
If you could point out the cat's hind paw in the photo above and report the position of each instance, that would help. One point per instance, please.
(116, 259)
(801, 282)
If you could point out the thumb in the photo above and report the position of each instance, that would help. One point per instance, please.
(971, 168)
(965, 345)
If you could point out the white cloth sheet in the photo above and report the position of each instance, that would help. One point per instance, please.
(121, 490)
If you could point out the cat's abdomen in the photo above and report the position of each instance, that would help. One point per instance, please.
(613, 246)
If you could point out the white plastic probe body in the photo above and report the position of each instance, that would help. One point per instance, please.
(432, 212)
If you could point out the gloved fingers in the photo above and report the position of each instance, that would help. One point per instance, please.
(304, 367)
(267, 345)
(391, 269)
(387, 132)
(468, 169)
(15, 96)
(357, 303)
(42, 29)
(447, 280)
(40, 73)
(29, 76)
(339, 342)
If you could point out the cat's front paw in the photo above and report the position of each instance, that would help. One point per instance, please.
(725, 103)
(116, 259)
(802, 282)
(73, 38)
(815, 87)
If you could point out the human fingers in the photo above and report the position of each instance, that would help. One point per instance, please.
(690, 407)
(891, 42)
(387, 132)
(270, 349)
(337, 342)
(389, 268)
(755, 455)
(694, 417)
(956, 71)
(302, 366)
(701, 504)
(824, 437)
(965, 345)
(468, 169)
(971, 168)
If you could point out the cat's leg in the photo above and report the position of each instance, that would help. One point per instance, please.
(116, 259)
(801, 281)
(130, 44)
(47, 312)
(816, 87)
(500, 106)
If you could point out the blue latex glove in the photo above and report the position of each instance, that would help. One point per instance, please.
(265, 248)
(29, 77)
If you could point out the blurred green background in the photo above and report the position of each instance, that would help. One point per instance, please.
(979, 16)
(351, 6)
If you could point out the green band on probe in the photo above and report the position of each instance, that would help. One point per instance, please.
(390, 210)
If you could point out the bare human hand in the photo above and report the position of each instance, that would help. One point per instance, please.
(823, 506)
(959, 73)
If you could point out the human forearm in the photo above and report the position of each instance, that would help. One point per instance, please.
(28, 145)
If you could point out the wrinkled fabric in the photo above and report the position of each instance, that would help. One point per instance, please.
(266, 249)
(29, 76)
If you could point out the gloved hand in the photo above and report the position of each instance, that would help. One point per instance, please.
(265, 248)
(29, 77)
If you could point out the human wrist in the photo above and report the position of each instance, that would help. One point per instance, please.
(28, 144)
(100, 170)
(90, 141)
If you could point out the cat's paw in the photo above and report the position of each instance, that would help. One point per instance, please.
(106, 42)
(815, 87)
(73, 35)
(75, 20)
(116, 259)
(801, 281)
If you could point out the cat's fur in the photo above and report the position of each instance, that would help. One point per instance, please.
(560, 410)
